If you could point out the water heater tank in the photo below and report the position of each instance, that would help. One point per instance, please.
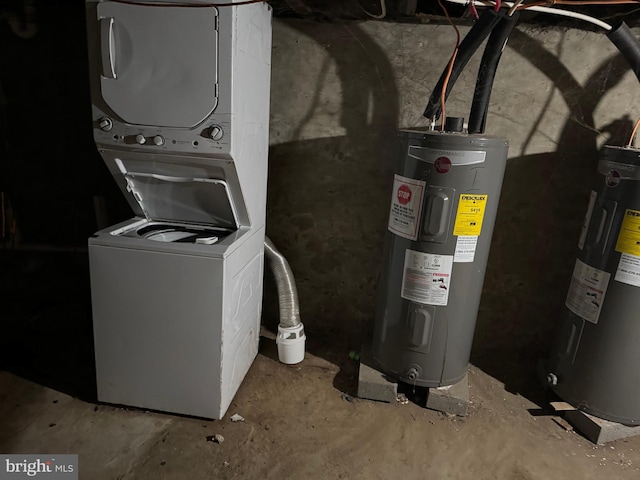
(443, 207)
(595, 357)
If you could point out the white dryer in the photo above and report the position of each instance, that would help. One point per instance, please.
(180, 105)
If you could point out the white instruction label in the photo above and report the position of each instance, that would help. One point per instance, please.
(465, 249)
(628, 270)
(587, 219)
(406, 206)
(587, 290)
(426, 277)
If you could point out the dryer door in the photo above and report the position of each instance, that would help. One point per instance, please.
(159, 62)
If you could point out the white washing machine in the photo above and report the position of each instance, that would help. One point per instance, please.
(180, 105)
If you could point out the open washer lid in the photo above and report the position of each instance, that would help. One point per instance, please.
(182, 199)
(159, 62)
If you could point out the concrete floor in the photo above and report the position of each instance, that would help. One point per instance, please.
(300, 422)
(339, 91)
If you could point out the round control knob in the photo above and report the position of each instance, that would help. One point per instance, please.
(215, 132)
(158, 140)
(105, 124)
(140, 139)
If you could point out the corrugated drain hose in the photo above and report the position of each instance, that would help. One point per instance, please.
(291, 338)
(285, 283)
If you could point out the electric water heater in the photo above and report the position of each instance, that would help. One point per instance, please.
(444, 201)
(594, 361)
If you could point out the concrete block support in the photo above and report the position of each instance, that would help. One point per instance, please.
(453, 399)
(372, 383)
(598, 430)
(375, 385)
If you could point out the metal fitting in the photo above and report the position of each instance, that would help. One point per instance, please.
(413, 373)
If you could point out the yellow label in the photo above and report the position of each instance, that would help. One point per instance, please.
(629, 236)
(470, 214)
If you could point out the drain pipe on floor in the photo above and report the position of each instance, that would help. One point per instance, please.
(291, 337)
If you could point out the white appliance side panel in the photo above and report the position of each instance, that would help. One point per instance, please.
(157, 329)
(241, 324)
(251, 63)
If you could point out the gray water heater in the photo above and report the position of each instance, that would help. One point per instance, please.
(594, 361)
(444, 201)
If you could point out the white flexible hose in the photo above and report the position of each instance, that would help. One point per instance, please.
(549, 10)
(285, 283)
(291, 338)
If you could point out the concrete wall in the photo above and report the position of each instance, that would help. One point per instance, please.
(340, 91)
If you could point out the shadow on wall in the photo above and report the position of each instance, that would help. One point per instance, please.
(328, 200)
(542, 206)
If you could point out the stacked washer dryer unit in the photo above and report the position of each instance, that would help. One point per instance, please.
(180, 94)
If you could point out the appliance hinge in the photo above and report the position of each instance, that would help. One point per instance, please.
(131, 189)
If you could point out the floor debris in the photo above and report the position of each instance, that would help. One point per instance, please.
(217, 438)
(346, 396)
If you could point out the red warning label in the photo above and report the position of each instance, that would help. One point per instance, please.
(406, 207)
(404, 194)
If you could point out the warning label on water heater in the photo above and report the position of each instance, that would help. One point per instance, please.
(587, 290)
(629, 236)
(465, 249)
(628, 270)
(406, 206)
(470, 214)
(426, 278)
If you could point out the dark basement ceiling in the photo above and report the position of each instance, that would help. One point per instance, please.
(423, 11)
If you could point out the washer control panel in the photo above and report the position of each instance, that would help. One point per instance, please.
(212, 136)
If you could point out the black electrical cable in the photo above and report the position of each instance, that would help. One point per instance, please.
(628, 45)
(471, 42)
(487, 72)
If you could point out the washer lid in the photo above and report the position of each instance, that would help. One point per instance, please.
(200, 201)
(159, 63)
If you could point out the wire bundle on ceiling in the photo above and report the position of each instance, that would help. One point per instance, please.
(496, 22)
(484, 27)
